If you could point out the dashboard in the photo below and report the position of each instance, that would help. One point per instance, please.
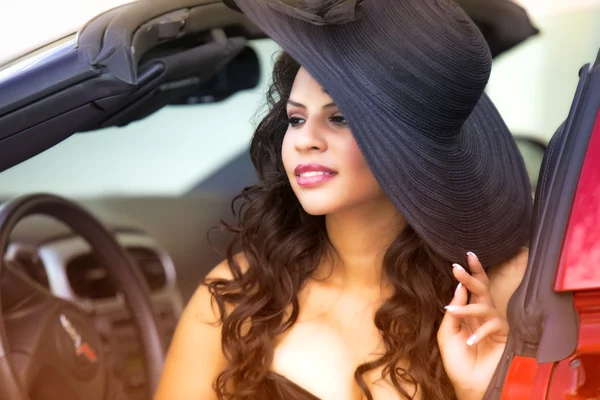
(66, 265)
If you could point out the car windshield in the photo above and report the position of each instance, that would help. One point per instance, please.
(175, 150)
(74, 14)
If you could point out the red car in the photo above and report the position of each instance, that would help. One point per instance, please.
(554, 345)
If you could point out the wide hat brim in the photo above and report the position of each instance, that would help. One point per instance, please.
(466, 192)
(503, 23)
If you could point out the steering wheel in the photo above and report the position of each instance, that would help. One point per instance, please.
(48, 345)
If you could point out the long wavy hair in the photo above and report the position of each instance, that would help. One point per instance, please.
(283, 246)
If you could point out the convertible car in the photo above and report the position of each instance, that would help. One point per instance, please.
(91, 290)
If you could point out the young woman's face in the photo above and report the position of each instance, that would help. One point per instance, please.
(326, 169)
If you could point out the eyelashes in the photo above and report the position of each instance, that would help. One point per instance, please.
(295, 121)
(338, 120)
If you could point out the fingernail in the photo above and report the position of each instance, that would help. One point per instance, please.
(457, 288)
(451, 308)
(458, 266)
(472, 340)
(470, 253)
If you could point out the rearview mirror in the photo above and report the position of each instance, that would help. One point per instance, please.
(242, 73)
(196, 74)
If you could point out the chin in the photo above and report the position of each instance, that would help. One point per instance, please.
(316, 211)
(317, 206)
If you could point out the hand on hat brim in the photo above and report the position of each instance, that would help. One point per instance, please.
(473, 334)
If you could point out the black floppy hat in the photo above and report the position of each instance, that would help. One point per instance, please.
(409, 76)
(503, 23)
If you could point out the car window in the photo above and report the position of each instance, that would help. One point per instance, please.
(170, 152)
(533, 154)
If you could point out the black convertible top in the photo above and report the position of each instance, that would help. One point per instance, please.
(121, 66)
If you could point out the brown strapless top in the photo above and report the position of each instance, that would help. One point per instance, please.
(278, 387)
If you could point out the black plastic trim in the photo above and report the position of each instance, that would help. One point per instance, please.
(41, 80)
(128, 36)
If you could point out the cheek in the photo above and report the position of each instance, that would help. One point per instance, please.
(361, 173)
(355, 159)
(287, 153)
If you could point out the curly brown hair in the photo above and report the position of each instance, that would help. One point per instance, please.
(283, 246)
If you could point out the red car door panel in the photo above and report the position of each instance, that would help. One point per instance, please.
(553, 351)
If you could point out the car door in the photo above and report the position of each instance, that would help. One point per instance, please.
(553, 351)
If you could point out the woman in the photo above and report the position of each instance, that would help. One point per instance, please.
(381, 165)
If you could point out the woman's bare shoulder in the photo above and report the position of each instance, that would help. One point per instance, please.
(196, 344)
(223, 269)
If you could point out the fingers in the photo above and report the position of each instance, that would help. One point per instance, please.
(483, 309)
(495, 329)
(473, 285)
(476, 269)
(479, 310)
(451, 324)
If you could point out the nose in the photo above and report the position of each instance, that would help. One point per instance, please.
(310, 137)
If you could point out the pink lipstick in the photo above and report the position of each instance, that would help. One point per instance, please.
(310, 175)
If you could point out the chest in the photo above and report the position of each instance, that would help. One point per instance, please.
(330, 340)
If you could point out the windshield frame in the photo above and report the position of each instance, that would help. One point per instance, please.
(46, 53)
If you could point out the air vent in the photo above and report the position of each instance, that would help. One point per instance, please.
(151, 267)
(89, 278)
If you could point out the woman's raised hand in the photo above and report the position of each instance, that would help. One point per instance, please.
(472, 336)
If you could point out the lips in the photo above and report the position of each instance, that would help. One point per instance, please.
(313, 175)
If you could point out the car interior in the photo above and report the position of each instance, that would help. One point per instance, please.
(112, 274)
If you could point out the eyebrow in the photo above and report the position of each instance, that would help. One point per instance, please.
(296, 104)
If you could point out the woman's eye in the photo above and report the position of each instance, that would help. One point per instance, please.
(295, 121)
(338, 120)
